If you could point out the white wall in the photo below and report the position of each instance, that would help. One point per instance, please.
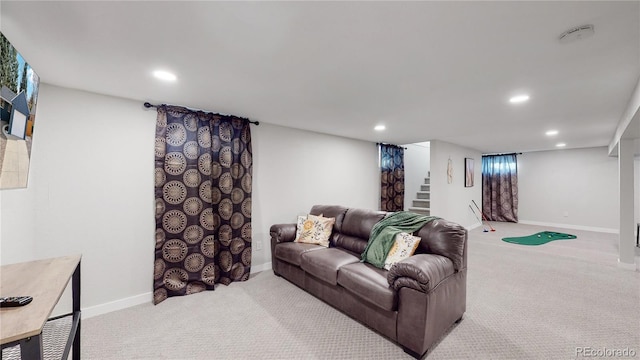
(417, 159)
(294, 170)
(575, 188)
(451, 201)
(17, 243)
(637, 189)
(91, 190)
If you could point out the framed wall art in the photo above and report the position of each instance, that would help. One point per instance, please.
(18, 98)
(468, 172)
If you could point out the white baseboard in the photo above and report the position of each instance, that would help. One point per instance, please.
(96, 310)
(116, 305)
(569, 226)
(476, 225)
(261, 267)
(626, 266)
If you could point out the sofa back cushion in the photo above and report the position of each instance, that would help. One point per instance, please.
(330, 211)
(446, 238)
(356, 228)
(358, 222)
(352, 244)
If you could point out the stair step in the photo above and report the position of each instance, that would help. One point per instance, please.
(420, 210)
(425, 187)
(423, 203)
(427, 180)
(424, 194)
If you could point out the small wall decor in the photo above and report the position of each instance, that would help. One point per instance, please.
(449, 171)
(468, 172)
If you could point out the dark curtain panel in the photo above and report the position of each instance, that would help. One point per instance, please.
(500, 187)
(203, 169)
(392, 178)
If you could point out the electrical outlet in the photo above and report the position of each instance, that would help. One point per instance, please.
(258, 245)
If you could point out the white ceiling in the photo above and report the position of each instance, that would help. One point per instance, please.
(427, 70)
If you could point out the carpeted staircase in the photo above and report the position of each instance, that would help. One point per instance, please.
(422, 202)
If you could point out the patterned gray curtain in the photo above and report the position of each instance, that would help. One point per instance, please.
(391, 178)
(500, 187)
(203, 169)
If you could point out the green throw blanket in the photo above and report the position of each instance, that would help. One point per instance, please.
(384, 232)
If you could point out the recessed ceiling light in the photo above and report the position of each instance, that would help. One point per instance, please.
(379, 127)
(551, 133)
(561, 145)
(519, 99)
(164, 75)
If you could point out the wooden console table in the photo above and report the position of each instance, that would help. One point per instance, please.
(44, 280)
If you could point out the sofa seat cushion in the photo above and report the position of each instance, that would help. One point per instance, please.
(369, 283)
(324, 263)
(291, 252)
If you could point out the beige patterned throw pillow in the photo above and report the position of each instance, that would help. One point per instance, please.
(315, 230)
(403, 247)
(299, 225)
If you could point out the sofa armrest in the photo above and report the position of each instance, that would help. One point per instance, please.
(283, 232)
(446, 238)
(422, 272)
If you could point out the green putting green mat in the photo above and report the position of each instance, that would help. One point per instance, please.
(539, 238)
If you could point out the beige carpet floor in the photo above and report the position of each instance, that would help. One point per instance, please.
(523, 302)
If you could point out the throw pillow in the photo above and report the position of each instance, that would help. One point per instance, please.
(403, 247)
(299, 225)
(316, 230)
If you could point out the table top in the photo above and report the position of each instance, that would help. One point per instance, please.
(44, 280)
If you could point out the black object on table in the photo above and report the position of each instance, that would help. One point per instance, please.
(45, 280)
(14, 301)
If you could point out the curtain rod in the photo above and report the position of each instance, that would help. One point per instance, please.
(499, 154)
(398, 146)
(149, 105)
